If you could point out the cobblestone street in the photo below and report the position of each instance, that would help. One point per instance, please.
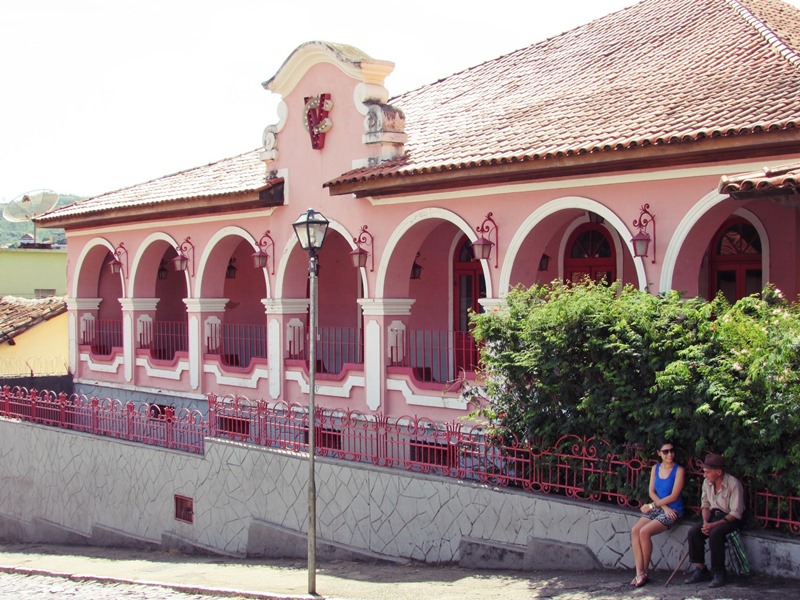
(39, 587)
(53, 572)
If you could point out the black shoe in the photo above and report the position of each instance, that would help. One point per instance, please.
(718, 581)
(699, 575)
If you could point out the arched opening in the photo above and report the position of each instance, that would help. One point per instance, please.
(241, 337)
(168, 333)
(590, 253)
(424, 344)
(339, 337)
(734, 260)
(101, 329)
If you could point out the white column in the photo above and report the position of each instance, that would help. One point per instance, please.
(279, 313)
(76, 306)
(378, 313)
(196, 307)
(130, 308)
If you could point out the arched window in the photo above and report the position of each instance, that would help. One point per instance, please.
(735, 260)
(590, 253)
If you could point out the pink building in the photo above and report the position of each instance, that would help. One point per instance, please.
(672, 121)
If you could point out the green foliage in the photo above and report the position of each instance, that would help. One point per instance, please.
(634, 368)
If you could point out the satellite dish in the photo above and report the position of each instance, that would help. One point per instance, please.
(29, 206)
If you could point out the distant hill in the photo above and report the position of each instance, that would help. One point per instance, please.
(10, 233)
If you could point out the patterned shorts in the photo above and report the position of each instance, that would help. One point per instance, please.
(658, 514)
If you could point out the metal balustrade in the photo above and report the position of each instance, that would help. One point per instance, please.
(102, 336)
(237, 344)
(433, 355)
(336, 347)
(164, 339)
(575, 467)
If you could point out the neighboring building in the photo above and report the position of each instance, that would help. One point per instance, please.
(558, 156)
(33, 336)
(33, 272)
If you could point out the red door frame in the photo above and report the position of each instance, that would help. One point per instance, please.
(466, 271)
(594, 262)
(737, 260)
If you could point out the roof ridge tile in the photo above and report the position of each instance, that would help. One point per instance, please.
(766, 32)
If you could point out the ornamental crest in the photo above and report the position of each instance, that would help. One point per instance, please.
(316, 120)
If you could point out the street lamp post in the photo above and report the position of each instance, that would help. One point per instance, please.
(310, 229)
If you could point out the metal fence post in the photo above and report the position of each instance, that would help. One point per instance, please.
(129, 419)
(169, 417)
(95, 402)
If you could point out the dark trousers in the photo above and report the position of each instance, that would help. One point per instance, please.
(716, 541)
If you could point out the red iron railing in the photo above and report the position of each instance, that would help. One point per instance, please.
(574, 467)
(102, 336)
(153, 424)
(237, 344)
(335, 347)
(433, 355)
(164, 338)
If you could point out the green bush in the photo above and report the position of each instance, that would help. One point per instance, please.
(634, 368)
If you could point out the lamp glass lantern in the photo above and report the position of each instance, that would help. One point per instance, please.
(310, 229)
(544, 262)
(230, 270)
(641, 244)
(163, 272)
(482, 248)
(359, 257)
(180, 262)
(260, 258)
(115, 265)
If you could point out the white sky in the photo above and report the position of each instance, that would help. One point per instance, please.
(102, 94)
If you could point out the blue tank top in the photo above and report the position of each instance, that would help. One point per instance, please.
(664, 488)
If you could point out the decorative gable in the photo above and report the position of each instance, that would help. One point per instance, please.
(384, 125)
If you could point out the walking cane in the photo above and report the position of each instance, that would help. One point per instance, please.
(676, 568)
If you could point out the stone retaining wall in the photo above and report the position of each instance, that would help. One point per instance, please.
(57, 485)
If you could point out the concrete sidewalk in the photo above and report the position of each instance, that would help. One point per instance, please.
(242, 578)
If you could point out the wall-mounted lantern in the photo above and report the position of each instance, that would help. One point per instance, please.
(416, 269)
(261, 256)
(641, 241)
(181, 262)
(359, 255)
(230, 270)
(544, 262)
(594, 218)
(163, 272)
(482, 247)
(115, 264)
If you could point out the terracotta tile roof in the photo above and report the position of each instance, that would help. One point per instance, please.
(657, 73)
(243, 173)
(770, 181)
(17, 315)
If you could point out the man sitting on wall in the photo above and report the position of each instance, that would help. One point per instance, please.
(722, 506)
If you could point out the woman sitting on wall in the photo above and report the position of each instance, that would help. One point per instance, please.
(664, 510)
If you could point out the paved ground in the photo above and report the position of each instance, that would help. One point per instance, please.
(37, 572)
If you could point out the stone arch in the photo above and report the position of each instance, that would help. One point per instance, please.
(91, 260)
(226, 233)
(292, 253)
(394, 243)
(692, 217)
(145, 260)
(553, 207)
